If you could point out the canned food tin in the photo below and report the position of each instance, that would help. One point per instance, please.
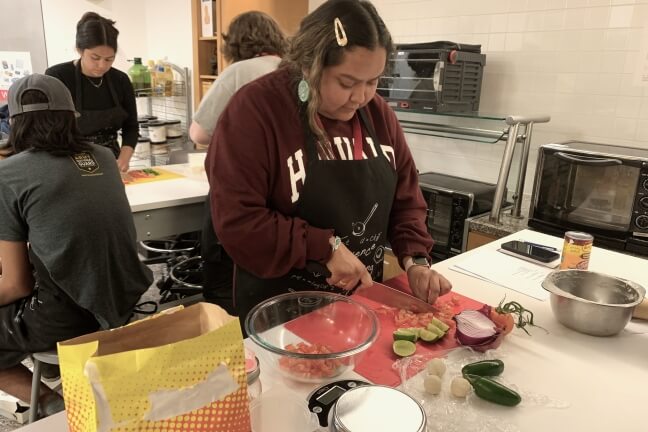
(576, 250)
(376, 408)
(253, 372)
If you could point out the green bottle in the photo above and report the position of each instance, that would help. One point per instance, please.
(140, 77)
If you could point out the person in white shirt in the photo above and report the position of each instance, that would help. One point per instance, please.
(254, 45)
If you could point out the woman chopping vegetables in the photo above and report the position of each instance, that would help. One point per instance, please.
(312, 175)
(103, 95)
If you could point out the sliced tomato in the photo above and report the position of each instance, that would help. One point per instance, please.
(306, 368)
(503, 321)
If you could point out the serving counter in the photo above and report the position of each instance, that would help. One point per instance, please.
(168, 207)
(600, 382)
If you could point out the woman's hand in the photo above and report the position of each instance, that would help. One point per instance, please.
(123, 165)
(123, 161)
(427, 284)
(347, 270)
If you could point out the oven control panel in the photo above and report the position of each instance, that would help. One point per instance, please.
(640, 211)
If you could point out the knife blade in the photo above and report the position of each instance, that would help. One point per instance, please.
(392, 297)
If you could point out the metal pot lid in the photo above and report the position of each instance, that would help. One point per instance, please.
(377, 408)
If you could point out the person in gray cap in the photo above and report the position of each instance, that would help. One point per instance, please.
(63, 273)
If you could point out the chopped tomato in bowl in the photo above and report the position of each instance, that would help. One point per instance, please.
(312, 336)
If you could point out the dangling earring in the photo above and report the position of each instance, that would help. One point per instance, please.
(303, 90)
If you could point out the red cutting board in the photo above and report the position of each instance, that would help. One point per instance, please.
(376, 363)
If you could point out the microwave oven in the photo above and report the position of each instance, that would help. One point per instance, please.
(450, 202)
(596, 188)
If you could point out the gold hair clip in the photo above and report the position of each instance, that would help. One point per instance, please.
(340, 34)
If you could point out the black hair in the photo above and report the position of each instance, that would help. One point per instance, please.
(315, 46)
(93, 30)
(54, 132)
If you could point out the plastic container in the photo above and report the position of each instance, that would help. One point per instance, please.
(142, 154)
(143, 148)
(176, 143)
(253, 371)
(157, 131)
(173, 129)
(144, 130)
(576, 250)
(140, 77)
(154, 78)
(164, 79)
(146, 118)
(159, 153)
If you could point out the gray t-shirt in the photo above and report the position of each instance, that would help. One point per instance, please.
(233, 78)
(74, 213)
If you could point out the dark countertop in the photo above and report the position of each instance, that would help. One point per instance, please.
(509, 224)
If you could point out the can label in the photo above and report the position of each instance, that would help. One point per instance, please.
(576, 251)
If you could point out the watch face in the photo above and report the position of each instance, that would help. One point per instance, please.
(420, 260)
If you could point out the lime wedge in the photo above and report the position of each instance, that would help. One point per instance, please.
(428, 336)
(434, 329)
(404, 348)
(406, 335)
(440, 324)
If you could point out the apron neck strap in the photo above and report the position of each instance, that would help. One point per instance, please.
(79, 87)
(357, 138)
(360, 116)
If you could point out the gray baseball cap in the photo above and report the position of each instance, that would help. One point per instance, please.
(58, 96)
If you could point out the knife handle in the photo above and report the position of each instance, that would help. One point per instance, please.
(316, 267)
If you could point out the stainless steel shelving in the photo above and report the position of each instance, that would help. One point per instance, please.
(515, 130)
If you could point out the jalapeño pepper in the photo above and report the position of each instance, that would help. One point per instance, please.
(484, 368)
(493, 391)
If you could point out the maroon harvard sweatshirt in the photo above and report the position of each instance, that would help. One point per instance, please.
(256, 168)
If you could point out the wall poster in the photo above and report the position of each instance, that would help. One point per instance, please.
(13, 66)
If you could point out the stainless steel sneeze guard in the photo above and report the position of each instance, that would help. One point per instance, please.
(515, 123)
(517, 129)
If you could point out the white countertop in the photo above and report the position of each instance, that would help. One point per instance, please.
(601, 380)
(191, 188)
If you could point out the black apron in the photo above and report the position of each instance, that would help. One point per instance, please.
(353, 197)
(99, 126)
(218, 269)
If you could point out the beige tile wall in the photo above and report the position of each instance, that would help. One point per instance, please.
(572, 59)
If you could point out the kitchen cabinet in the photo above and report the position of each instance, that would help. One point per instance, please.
(208, 60)
(476, 239)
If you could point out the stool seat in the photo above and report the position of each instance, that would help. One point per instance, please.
(48, 357)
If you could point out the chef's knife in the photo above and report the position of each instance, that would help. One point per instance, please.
(392, 297)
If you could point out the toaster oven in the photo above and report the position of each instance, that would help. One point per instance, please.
(434, 76)
(450, 201)
(597, 188)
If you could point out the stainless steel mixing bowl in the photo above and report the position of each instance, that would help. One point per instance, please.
(592, 303)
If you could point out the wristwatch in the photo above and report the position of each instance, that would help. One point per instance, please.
(335, 243)
(416, 260)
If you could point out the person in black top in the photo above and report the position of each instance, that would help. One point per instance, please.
(103, 95)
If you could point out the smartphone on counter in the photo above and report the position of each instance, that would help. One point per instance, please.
(531, 252)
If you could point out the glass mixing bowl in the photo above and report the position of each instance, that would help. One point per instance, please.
(312, 336)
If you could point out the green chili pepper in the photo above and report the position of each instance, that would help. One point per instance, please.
(493, 391)
(484, 368)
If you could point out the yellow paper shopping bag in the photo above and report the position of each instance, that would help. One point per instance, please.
(182, 371)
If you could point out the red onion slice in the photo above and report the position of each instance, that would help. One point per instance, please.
(475, 329)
